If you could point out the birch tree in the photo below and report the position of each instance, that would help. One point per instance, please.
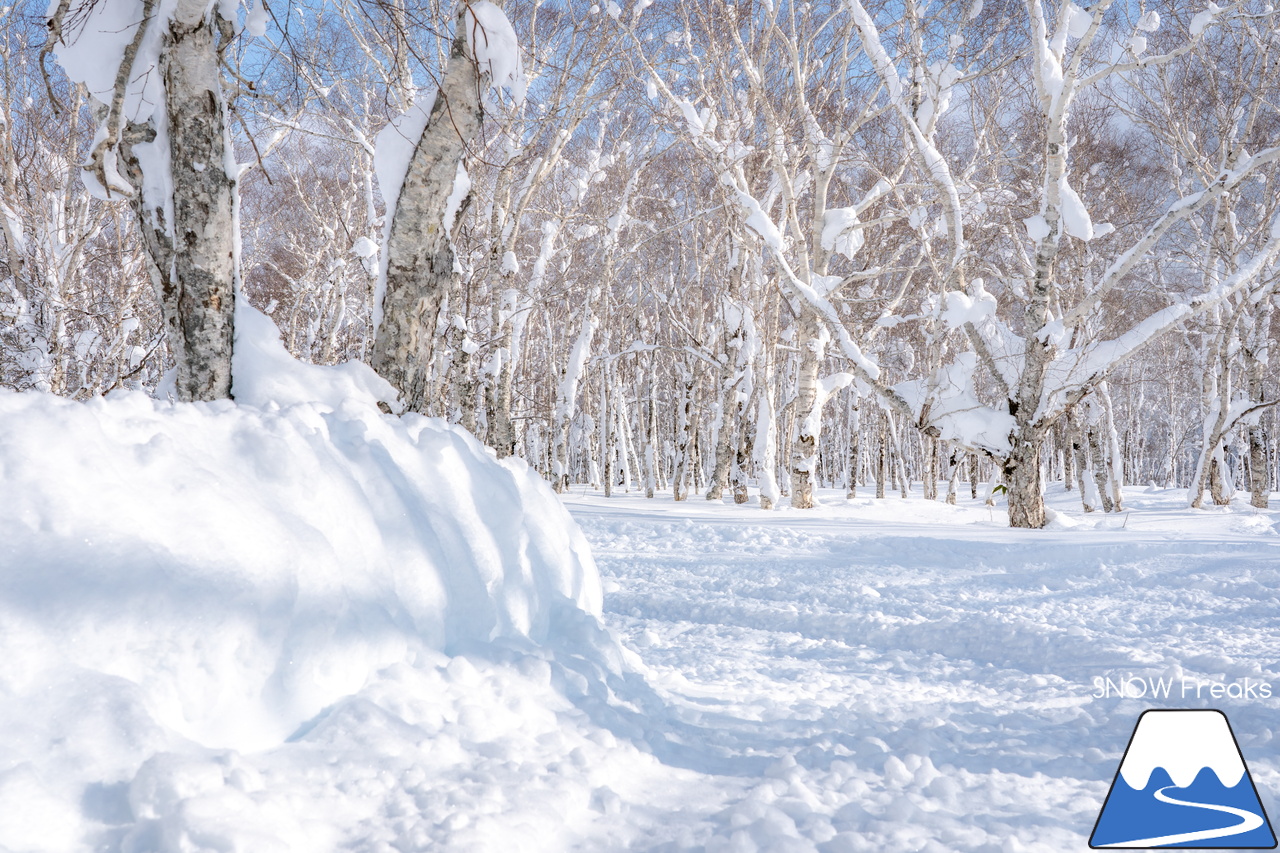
(163, 143)
(1048, 367)
(418, 255)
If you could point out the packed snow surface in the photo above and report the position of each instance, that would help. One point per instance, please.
(872, 675)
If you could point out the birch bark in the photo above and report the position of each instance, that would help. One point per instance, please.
(420, 257)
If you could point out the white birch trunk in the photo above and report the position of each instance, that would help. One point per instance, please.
(419, 254)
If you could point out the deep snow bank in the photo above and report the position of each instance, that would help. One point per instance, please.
(220, 573)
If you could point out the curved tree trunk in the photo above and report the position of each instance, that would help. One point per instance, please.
(419, 252)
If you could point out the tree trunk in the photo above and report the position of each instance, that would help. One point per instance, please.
(193, 259)
(1099, 467)
(650, 413)
(723, 432)
(419, 254)
(1259, 471)
(882, 459)
(766, 453)
(738, 477)
(1221, 485)
(929, 449)
(1024, 483)
(1082, 468)
(609, 434)
(855, 447)
(684, 417)
(953, 484)
(808, 413)
(567, 401)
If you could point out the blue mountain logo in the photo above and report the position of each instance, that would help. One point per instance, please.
(1183, 783)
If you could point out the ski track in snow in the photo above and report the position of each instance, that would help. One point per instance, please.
(881, 675)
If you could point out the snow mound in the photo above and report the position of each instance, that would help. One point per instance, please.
(267, 376)
(186, 577)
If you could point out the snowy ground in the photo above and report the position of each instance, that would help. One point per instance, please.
(872, 675)
(889, 675)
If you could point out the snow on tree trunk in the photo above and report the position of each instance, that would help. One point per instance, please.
(1115, 458)
(953, 483)
(1088, 502)
(508, 313)
(567, 400)
(728, 408)
(766, 452)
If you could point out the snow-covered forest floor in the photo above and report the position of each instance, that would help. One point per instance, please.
(890, 675)
(878, 675)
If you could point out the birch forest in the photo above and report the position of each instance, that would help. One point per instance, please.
(978, 248)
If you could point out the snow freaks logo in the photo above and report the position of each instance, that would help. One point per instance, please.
(1183, 783)
(1135, 687)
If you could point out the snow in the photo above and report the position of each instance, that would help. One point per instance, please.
(1075, 218)
(1037, 227)
(842, 231)
(961, 308)
(285, 627)
(257, 19)
(90, 52)
(1078, 22)
(457, 195)
(1149, 22)
(13, 226)
(694, 121)
(394, 146)
(509, 263)
(267, 377)
(905, 675)
(955, 408)
(758, 221)
(188, 585)
(364, 247)
(93, 44)
(496, 49)
(870, 36)
(1204, 19)
(117, 187)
